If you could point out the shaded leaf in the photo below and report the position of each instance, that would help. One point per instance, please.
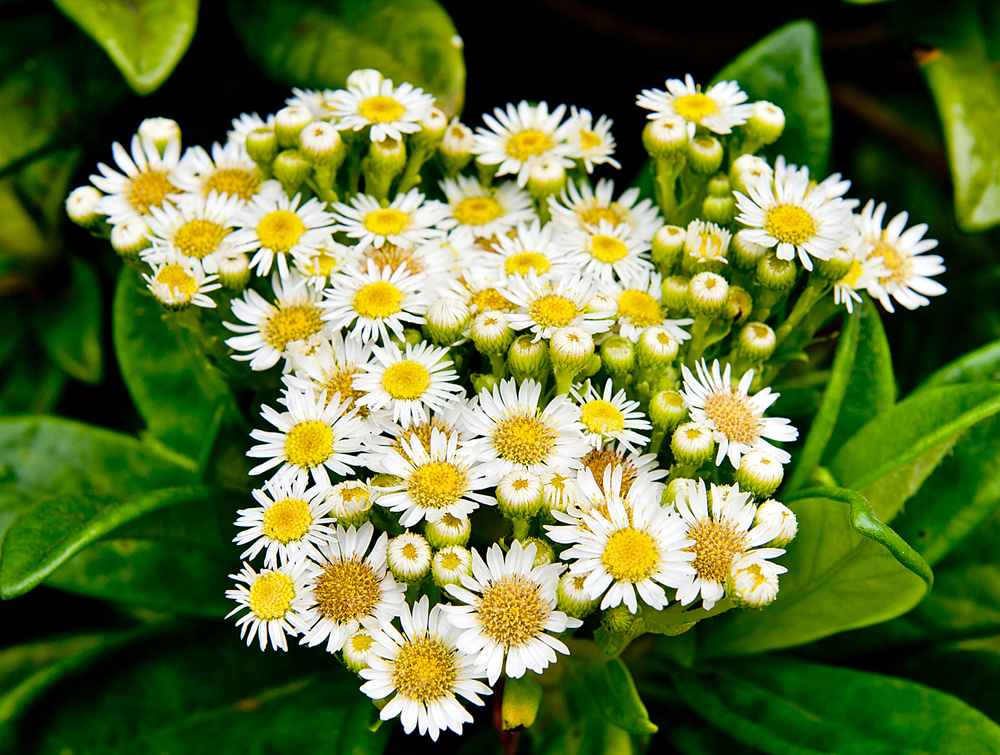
(616, 697)
(981, 365)
(968, 674)
(69, 325)
(31, 384)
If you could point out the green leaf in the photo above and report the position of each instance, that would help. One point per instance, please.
(204, 692)
(891, 456)
(785, 68)
(145, 39)
(316, 44)
(69, 325)
(981, 365)
(969, 674)
(31, 383)
(174, 388)
(783, 705)
(846, 569)
(44, 183)
(616, 697)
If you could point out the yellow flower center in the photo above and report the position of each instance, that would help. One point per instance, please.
(308, 444)
(694, 107)
(732, 417)
(594, 215)
(322, 264)
(292, 323)
(598, 460)
(524, 439)
(197, 238)
(578, 583)
(789, 224)
(450, 561)
(451, 522)
(553, 311)
(488, 298)
(342, 382)
(716, 546)
(271, 596)
(149, 190)
(380, 109)
(530, 143)
(607, 249)
(511, 611)
(406, 380)
(378, 299)
(639, 308)
(280, 230)
(893, 260)
(287, 520)
(631, 555)
(602, 417)
(347, 590)
(177, 279)
(425, 669)
(853, 274)
(760, 331)
(436, 484)
(388, 222)
(477, 210)
(522, 262)
(361, 642)
(410, 552)
(234, 181)
(423, 433)
(589, 140)
(392, 256)
(709, 247)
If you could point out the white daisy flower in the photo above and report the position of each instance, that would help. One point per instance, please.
(177, 282)
(865, 272)
(276, 227)
(519, 435)
(436, 482)
(717, 109)
(427, 672)
(276, 600)
(638, 304)
(707, 242)
(531, 247)
(148, 180)
(410, 383)
(753, 581)
(312, 100)
(294, 317)
(908, 269)
(610, 416)
(582, 208)
(433, 258)
(289, 523)
(735, 418)
(391, 112)
(786, 215)
(358, 650)
(476, 211)
(406, 222)
(228, 170)
(349, 588)
(199, 230)
(592, 143)
(409, 557)
(518, 138)
(718, 539)
(607, 251)
(245, 123)
(544, 306)
(312, 437)
(317, 265)
(510, 612)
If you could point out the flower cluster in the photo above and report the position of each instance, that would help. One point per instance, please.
(510, 396)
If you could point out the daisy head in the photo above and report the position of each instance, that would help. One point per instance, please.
(638, 303)
(177, 282)
(590, 142)
(389, 111)
(146, 180)
(331, 366)
(228, 171)
(406, 222)
(199, 229)
(717, 109)
(275, 601)
(530, 248)
(582, 207)
(545, 306)
(608, 251)
(483, 212)
(610, 416)
(705, 244)
(278, 228)
(517, 138)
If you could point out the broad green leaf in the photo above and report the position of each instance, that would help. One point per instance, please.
(783, 705)
(176, 391)
(310, 43)
(891, 456)
(969, 674)
(785, 68)
(204, 692)
(21, 238)
(616, 697)
(145, 39)
(30, 383)
(69, 325)
(44, 183)
(704, 740)
(981, 365)
(845, 570)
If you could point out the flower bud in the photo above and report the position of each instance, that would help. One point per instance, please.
(708, 294)
(572, 599)
(350, 503)
(667, 410)
(705, 154)
(747, 168)
(755, 342)
(491, 333)
(719, 186)
(81, 206)
(543, 551)
(570, 349)
(262, 146)
(665, 137)
(692, 444)
(159, 131)
(834, 268)
(519, 495)
(721, 210)
(753, 581)
(358, 650)
(780, 519)
(234, 272)
(446, 320)
(482, 383)
(288, 122)
(450, 564)
(409, 557)
(456, 147)
(673, 294)
(668, 243)
(386, 159)
(448, 530)
(740, 304)
(522, 697)
(291, 168)
(776, 275)
(657, 348)
(766, 123)
(618, 619)
(432, 128)
(746, 254)
(705, 248)
(618, 358)
(558, 491)
(364, 76)
(527, 358)
(679, 488)
(129, 238)
(546, 177)
(322, 144)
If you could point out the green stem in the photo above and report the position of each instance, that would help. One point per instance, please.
(657, 440)
(564, 379)
(411, 176)
(521, 529)
(682, 470)
(499, 366)
(666, 171)
(696, 346)
(762, 303)
(815, 290)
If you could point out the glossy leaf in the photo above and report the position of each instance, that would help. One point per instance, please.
(69, 326)
(783, 705)
(981, 365)
(891, 456)
(969, 674)
(846, 569)
(785, 68)
(309, 43)
(616, 697)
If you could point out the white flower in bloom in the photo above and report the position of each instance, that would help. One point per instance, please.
(349, 588)
(245, 123)
(148, 179)
(590, 142)
(426, 671)
(178, 281)
(510, 611)
(707, 242)
(406, 222)
(278, 227)
(610, 416)
(638, 305)
(907, 269)
(478, 212)
(434, 482)
(409, 557)
(410, 383)
(753, 581)
(312, 436)
(719, 538)
(391, 112)
(228, 170)
(312, 100)
(607, 252)
(544, 307)
(518, 138)
(786, 215)
(200, 230)
(582, 208)
(717, 109)
(532, 247)
(294, 317)
(519, 435)
(288, 524)
(374, 302)
(735, 418)
(276, 600)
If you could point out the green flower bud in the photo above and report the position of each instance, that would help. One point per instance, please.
(288, 122)
(766, 123)
(618, 358)
(708, 294)
(491, 333)
(322, 144)
(755, 342)
(745, 254)
(527, 358)
(519, 495)
(667, 410)
(618, 619)
(657, 348)
(291, 168)
(673, 294)
(776, 275)
(719, 186)
(570, 349)
(721, 210)
(386, 159)
(81, 206)
(455, 150)
(705, 154)
(740, 304)
(446, 320)
(129, 238)
(665, 137)
(692, 444)
(522, 697)
(262, 146)
(448, 530)
(234, 272)
(834, 268)
(431, 132)
(572, 599)
(761, 474)
(668, 243)
(547, 177)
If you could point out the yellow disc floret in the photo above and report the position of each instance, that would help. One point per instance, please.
(308, 444)
(388, 222)
(342, 382)
(631, 555)
(280, 230)
(789, 224)
(891, 258)
(694, 107)
(489, 298)
(511, 610)
(347, 590)
(271, 596)
(477, 210)
(589, 140)
(640, 308)
(198, 238)
(287, 520)
(291, 323)
(530, 143)
(524, 439)
(553, 311)
(607, 249)
(424, 669)
(177, 279)
(716, 546)
(732, 417)
(380, 109)
(522, 262)
(602, 417)
(406, 380)
(377, 300)
(436, 484)
(594, 215)
(233, 181)
(149, 190)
